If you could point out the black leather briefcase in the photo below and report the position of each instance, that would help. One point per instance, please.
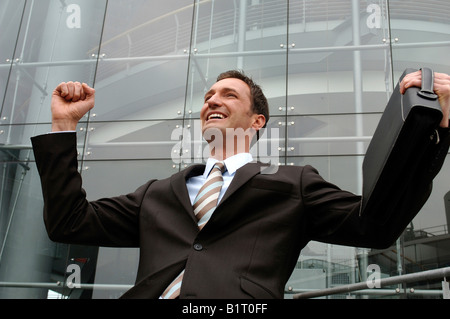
(406, 130)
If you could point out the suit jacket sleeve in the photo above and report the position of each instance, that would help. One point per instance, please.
(334, 216)
(68, 216)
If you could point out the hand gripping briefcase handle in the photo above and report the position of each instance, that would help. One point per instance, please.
(427, 91)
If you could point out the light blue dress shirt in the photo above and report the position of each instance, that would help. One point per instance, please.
(232, 164)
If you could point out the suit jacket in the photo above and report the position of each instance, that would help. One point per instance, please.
(252, 242)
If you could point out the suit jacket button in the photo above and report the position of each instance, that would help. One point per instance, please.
(198, 247)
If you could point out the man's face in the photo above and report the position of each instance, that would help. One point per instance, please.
(228, 105)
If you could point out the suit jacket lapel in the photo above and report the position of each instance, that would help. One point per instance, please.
(221, 215)
(178, 183)
(243, 175)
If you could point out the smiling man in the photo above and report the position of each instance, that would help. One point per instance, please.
(248, 240)
(235, 109)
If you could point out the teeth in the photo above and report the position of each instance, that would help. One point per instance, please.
(216, 115)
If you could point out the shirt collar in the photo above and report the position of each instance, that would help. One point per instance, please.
(232, 163)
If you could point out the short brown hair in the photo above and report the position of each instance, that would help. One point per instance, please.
(259, 100)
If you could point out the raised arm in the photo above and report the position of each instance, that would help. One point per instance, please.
(69, 217)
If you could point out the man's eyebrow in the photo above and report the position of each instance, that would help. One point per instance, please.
(225, 90)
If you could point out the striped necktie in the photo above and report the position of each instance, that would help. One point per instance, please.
(206, 201)
(204, 205)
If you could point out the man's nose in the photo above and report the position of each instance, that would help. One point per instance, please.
(214, 101)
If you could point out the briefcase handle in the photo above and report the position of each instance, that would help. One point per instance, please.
(427, 91)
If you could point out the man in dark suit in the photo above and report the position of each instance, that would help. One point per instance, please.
(252, 241)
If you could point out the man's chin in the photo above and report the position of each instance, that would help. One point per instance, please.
(211, 133)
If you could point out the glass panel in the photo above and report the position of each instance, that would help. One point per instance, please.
(420, 34)
(435, 215)
(26, 252)
(330, 134)
(52, 47)
(10, 16)
(143, 60)
(116, 271)
(17, 138)
(339, 170)
(243, 35)
(110, 178)
(337, 47)
(133, 140)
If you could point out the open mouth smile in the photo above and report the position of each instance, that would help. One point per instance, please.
(215, 116)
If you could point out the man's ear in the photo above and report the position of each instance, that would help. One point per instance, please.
(259, 121)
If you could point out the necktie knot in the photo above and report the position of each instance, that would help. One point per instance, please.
(219, 166)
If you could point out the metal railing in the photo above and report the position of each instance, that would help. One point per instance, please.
(60, 284)
(363, 287)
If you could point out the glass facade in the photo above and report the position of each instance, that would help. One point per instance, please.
(327, 67)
